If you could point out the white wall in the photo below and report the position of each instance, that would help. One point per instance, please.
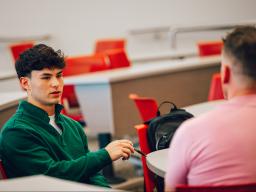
(76, 24)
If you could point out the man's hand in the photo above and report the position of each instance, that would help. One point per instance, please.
(120, 149)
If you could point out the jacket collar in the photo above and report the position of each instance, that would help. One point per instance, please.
(38, 112)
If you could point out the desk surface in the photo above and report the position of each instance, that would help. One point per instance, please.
(7, 74)
(46, 183)
(139, 71)
(157, 160)
(163, 55)
(9, 99)
(200, 108)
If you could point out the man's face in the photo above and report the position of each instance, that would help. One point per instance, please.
(44, 87)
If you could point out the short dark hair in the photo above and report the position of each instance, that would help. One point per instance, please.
(241, 45)
(37, 58)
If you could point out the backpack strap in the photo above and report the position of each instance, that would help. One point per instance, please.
(173, 107)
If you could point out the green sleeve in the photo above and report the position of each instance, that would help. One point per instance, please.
(31, 156)
(99, 179)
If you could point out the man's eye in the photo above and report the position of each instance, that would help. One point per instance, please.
(59, 75)
(45, 78)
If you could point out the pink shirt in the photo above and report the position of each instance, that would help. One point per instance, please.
(216, 148)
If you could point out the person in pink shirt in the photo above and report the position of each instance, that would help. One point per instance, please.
(218, 147)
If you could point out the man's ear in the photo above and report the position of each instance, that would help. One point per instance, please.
(24, 82)
(226, 74)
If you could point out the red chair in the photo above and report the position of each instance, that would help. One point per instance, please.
(109, 44)
(117, 58)
(146, 106)
(148, 109)
(75, 66)
(227, 188)
(212, 48)
(17, 49)
(215, 91)
(85, 64)
(208, 48)
(71, 105)
(2, 171)
(149, 178)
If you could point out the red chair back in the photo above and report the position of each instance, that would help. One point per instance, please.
(109, 44)
(215, 91)
(84, 64)
(17, 49)
(117, 58)
(209, 48)
(2, 171)
(147, 106)
(227, 188)
(148, 175)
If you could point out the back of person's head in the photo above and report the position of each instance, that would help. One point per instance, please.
(37, 58)
(240, 45)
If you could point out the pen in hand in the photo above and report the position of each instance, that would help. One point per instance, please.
(140, 152)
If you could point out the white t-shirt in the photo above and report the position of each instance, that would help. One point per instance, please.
(52, 123)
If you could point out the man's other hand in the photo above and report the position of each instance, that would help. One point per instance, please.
(120, 149)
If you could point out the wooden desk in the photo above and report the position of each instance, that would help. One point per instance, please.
(157, 160)
(46, 183)
(8, 104)
(103, 96)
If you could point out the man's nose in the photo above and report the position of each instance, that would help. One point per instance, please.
(55, 82)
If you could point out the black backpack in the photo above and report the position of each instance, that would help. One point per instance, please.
(162, 128)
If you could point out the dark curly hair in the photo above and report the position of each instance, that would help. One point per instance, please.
(37, 58)
(240, 44)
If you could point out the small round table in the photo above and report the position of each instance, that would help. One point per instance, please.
(157, 162)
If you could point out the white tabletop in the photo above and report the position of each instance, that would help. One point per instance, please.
(139, 71)
(157, 161)
(7, 74)
(46, 183)
(8, 99)
(163, 55)
(201, 108)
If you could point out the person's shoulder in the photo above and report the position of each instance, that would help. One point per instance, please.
(16, 123)
(194, 129)
(208, 119)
